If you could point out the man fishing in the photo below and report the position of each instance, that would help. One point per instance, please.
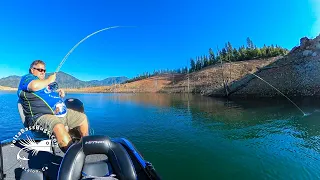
(43, 105)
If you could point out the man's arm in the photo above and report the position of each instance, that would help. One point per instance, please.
(38, 84)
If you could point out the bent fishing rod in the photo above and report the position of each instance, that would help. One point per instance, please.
(82, 40)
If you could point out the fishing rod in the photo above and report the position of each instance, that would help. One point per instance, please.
(82, 40)
(54, 85)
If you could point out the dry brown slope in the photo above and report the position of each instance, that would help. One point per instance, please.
(210, 79)
(4, 88)
(152, 84)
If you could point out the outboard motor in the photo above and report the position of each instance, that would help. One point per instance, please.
(74, 159)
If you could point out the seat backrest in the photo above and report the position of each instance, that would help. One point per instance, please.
(74, 159)
(22, 116)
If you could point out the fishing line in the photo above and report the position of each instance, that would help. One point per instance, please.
(304, 114)
(75, 46)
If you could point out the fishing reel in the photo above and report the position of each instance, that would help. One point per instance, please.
(53, 86)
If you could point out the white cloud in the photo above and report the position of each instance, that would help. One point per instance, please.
(316, 10)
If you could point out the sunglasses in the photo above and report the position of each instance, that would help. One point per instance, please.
(40, 70)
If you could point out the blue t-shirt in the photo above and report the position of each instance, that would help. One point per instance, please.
(37, 103)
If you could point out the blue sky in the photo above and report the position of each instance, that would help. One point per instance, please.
(166, 34)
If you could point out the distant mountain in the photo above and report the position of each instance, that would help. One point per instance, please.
(66, 81)
(108, 81)
(10, 81)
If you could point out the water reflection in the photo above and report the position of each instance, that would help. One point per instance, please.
(239, 119)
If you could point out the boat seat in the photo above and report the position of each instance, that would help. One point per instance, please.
(74, 160)
(25, 124)
(22, 116)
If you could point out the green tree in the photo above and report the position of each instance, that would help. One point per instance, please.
(223, 54)
(198, 64)
(193, 65)
(242, 52)
(205, 61)
(235, 54)
(212, 57)
(250, 44)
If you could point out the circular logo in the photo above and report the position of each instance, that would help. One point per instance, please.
(32, 153)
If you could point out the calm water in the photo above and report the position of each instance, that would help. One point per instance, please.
(194, 137)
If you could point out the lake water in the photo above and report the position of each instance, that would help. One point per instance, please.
(195, 137)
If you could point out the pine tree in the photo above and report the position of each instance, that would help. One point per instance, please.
(205, 61)
(193, 65)
(242, 52)
(235, 54)
(250, 44)
(198, 64)
(212, 57)
(223, 54)
(264, 51)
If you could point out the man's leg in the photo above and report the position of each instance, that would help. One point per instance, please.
(62, 136)
(78, 120)
(57, 126)
(84, 128)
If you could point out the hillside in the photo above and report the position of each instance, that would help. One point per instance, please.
(213, 77)
(297, 74)
(66, 81)
(152, 84)
(10, 81)
(201, 81)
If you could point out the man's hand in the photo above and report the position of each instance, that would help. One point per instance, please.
(61, 93)
(52, 78)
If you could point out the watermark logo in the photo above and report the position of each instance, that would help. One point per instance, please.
(95, 142)
(31, 148)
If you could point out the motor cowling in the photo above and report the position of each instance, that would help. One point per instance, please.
(74, 104)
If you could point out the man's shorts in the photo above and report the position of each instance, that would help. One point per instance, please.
(71, 120)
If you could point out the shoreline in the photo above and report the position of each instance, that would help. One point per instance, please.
(248, 97)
